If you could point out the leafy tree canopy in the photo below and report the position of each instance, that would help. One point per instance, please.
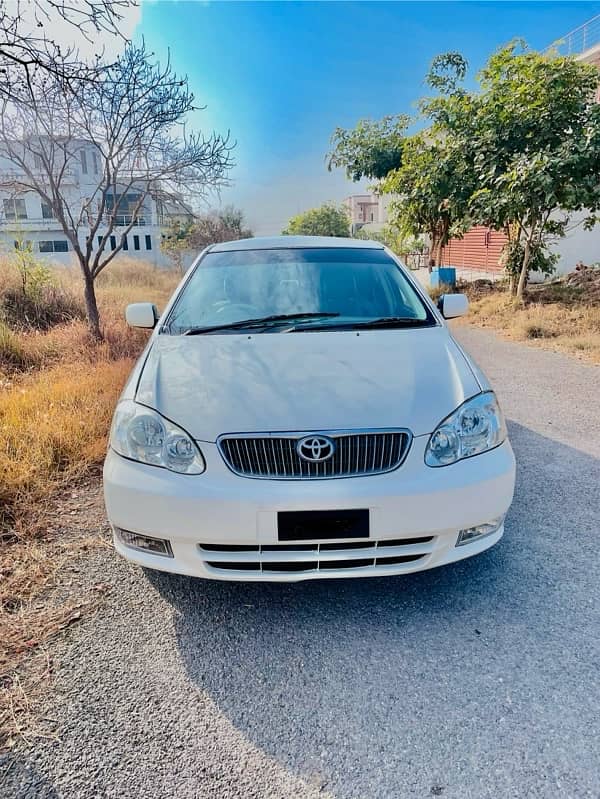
(532, 132)
(371, 149)
(328, 220)
(432, 188)
(519, 153)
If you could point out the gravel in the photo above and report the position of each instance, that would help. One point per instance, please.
(479, 679)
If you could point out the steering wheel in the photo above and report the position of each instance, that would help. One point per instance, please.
(244, 308)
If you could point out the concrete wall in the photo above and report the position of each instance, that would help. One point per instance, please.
(577, 245)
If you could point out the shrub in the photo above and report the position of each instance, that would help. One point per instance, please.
(435, 292)
(540, 260)
(48, 306)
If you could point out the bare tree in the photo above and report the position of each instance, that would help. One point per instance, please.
(129, 124)
(222, 224)
(28, 52)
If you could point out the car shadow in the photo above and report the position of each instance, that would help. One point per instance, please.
(386, 685)
(20, 780)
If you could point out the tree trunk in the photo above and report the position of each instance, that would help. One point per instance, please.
(438, 257)
(91, 307)
(524, 271)
(433, 252)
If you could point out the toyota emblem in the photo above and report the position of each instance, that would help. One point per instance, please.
(315, 449)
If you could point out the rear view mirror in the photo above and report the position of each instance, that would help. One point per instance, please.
(141, 314)
(453, 305)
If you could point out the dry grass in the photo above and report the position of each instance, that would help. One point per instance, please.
(555, 316)
(53, 426)
(58, 389)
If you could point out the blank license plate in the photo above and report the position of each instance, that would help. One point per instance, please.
(309, 525)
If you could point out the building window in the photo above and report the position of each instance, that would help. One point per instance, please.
(47, 211)
(126, 208)
(95, 162)
(113, 242)
(14, 209)
(148, 242)
(37, 161)
(24, 246)
(136, 242)
(125, 243)
(56, 245)
(83, 156)
(100, 240)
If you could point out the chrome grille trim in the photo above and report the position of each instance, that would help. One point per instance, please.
(273, 456)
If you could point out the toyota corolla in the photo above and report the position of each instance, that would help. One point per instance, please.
(302, 411)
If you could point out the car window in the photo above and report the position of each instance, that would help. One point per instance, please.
(355, 284)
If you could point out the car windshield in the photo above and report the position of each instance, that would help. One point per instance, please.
(346, 285)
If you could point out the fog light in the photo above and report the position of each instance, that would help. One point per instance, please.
(481, 531)
(145, 543)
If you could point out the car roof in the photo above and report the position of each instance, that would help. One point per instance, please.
(294, 242)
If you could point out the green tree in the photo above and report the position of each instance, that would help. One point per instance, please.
(532, 130)
(432, 188)
(430, 176)
(328, 220)
(371, 149)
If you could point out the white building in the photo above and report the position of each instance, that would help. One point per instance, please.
(580, 245)
(368, 210)
(27, 221)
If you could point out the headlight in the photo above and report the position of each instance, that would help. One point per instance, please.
(476, 426)
(143, 435)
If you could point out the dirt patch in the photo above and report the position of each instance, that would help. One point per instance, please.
(563, 315)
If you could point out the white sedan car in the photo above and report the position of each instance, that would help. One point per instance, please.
(302, 411)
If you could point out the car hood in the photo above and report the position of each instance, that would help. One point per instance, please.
(214, 384)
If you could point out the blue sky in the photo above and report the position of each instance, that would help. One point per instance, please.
(282, 75)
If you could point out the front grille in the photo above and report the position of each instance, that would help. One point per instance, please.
(274, 455)
(321, 558)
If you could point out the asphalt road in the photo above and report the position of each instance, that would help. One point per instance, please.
(479, 679)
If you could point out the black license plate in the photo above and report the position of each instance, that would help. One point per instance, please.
(309, 525)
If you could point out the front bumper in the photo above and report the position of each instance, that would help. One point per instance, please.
(223, 509)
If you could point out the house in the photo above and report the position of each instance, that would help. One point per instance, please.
(26, 221)
(580, 245)
(368, 210)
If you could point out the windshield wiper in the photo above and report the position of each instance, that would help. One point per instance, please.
(369, 324)
(263, 321)
(391, 321)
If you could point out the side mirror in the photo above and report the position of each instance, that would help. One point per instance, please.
(141, 314)
(453, 305)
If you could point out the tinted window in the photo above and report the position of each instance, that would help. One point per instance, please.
(357, 284)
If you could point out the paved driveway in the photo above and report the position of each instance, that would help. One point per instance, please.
(475, 680)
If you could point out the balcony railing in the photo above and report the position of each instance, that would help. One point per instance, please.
(11, 176)
(580, 40)
(122, 220)
(31, 223)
